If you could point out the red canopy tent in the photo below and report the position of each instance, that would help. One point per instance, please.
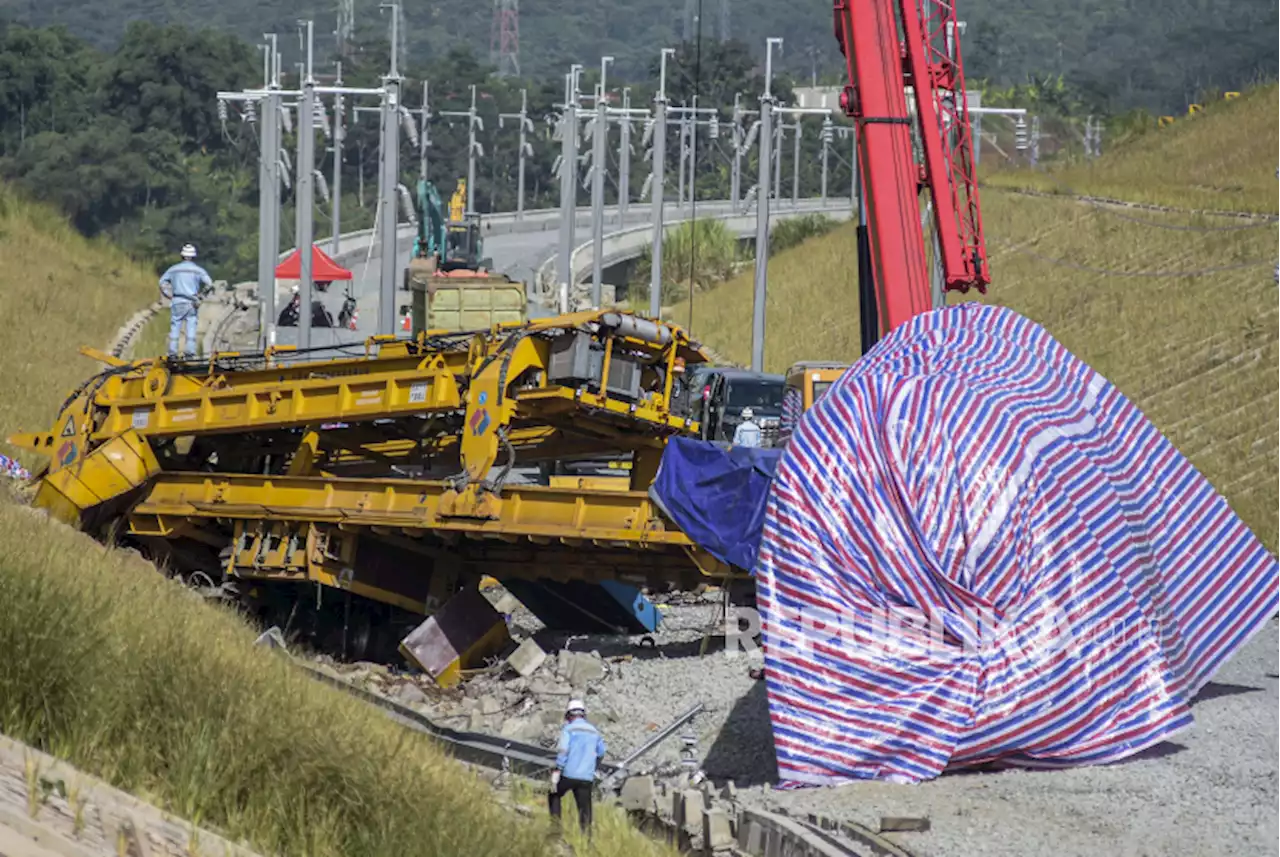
(323, 268)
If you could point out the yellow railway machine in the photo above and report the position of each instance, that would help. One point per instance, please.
(396, 478)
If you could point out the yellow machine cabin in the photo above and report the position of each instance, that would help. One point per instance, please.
(811, 379)
(806, 383)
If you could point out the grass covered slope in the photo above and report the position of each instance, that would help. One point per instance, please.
(126, 675)
(1221, 159)
(58, 291)
(1198, 354)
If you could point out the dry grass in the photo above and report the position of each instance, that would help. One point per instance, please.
(123, 673)
(812, 309)
(1221, 159)
(58, 291)
(1197, 354)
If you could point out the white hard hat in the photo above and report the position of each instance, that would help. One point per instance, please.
(747, 413)
(188, 251)
(576, 706)
(296, 289)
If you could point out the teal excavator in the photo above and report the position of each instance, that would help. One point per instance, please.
(453, 244)
(451, 286)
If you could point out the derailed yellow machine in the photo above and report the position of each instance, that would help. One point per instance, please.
(396, 479)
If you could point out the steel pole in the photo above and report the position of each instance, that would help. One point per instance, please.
(693, 155)
(304, 195)
(568, 198)
(684, 136)
(524, 114)
(597, 201)
(855, 190)
(388, 217)
(339, 133)
(424, 138)
(471, 153)
(762, 234)
(795, 164)
(826, 145)
(268, 217)
(735, 177)
(762, 213)
(777, 161)
(624, 157)
(657, 185)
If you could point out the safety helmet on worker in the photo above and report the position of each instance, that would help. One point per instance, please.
(188, 252)
(576, 706)
(748, 413)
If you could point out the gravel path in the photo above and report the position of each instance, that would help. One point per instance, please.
(1210, 791)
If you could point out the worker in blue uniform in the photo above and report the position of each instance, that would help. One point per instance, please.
(184, 285)
(580, 749)
(748, 431)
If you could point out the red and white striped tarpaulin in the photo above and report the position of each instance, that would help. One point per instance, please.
(977, 549)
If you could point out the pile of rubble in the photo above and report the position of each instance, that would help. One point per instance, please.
(632, 685)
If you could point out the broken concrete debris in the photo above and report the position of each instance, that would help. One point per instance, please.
(580, 668)
(639, 794)
(409, 693)
(527, 657)
(459, 636)
(523, 728)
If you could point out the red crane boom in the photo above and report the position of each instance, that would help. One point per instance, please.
(881, 63)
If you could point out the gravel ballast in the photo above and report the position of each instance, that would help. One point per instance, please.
(1211, 790)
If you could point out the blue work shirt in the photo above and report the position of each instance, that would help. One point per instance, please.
(747, 434)
(580, 748)
(184, 281)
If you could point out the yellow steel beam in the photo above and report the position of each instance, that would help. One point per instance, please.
(380, 395)
(621, 518)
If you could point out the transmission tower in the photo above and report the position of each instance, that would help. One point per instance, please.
(504, 38)
(724, 20)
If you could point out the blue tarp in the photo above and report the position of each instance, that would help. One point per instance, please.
(716, 496)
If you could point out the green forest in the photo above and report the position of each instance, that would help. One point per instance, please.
(1156, 55)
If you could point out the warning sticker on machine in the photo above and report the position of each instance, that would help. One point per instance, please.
(418, 392)
(141, 419)
(69, 430)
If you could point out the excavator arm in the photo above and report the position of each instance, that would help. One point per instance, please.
(431, 222)
(890, 45)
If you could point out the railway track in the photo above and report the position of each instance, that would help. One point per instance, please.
(502, 754)
(813, 837)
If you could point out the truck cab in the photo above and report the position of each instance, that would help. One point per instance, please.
(725, 392)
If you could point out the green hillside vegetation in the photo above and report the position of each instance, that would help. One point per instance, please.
(129, 677)
(1197, 354)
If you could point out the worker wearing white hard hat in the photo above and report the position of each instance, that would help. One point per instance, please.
(748, 431)
(579, 752)
(184, 285)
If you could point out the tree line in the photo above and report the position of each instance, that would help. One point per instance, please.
(1157, 55)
